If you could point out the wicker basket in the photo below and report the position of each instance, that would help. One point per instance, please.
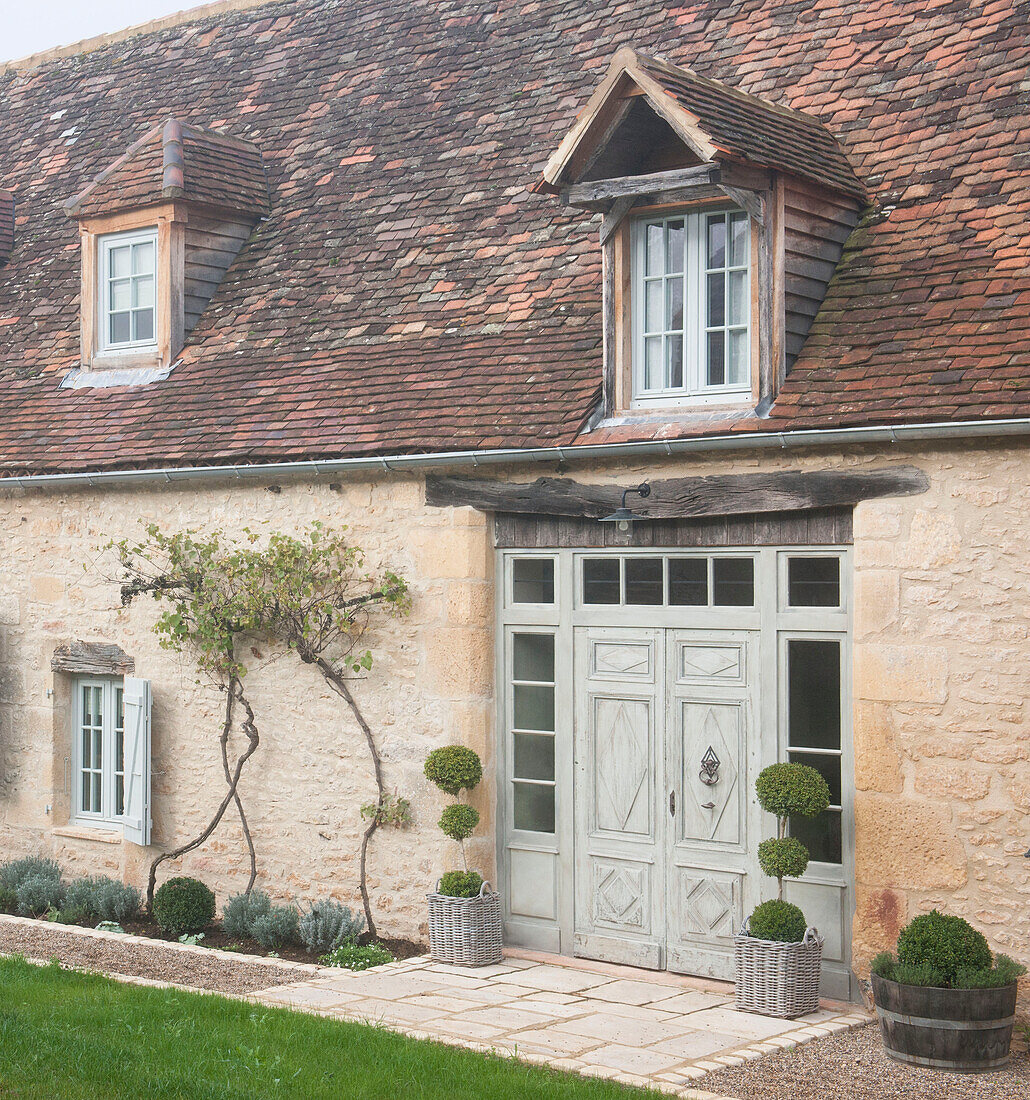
(778, 979)
(465, 931)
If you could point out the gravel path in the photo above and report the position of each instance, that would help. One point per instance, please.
(853, 1066)
(203, 969)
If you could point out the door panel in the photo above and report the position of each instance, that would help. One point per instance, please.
(711, 711)
(619, 906)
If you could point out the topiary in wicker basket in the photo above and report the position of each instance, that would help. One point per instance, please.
(464, 913)
(778, 957)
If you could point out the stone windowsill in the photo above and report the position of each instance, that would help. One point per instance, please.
(82, 832)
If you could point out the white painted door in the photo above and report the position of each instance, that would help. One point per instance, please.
(662, 765)
(619, 722)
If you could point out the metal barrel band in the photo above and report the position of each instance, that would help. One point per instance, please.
(946, 1025)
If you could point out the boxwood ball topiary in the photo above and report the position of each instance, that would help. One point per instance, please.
(789, 790)
(454, 769)
(458, 821)
(461, 884)
(783, 857)
(779, 921)
(943, 943)
(184, 905)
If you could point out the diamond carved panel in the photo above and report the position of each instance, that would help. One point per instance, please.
(711, 811)
(621, 895)
(622, 659)
(622, 765)
(712, 663)
(709, 905)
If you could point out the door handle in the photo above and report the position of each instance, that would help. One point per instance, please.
(672, 803)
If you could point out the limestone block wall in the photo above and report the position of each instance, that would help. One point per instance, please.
(431, 685)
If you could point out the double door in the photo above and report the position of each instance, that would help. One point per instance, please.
(666, 751)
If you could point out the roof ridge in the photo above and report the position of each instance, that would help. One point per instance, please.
(110, 38)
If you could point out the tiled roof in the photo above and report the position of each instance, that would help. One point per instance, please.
(754, 130)
(177, 161)
(408, 292)
(6, 225)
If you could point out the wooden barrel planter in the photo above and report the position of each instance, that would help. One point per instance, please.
(966, 1030)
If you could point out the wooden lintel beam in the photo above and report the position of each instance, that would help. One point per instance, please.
(586, 194)
(679, 498)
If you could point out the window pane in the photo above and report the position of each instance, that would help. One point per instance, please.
(644, 581)
(739, 358)
(813, 693)
(820, 835)
(534, 807)
(143, 258)
(87, 800)
(654, 319)
(716, 359)
(716, 300)
(674, 303)
(532, 580)
(143, 291)
(143, 324)
(674, 246)
(674, 361)
(717, 241)
(119, 328)
(654, 264)
(534, 707)
(688, 582)
(653, 370)
(738, 298)
(738, 240)
(533, 657)
(120, 294)
(733, 582)
(813, 582)
(118, 261)
(534, 756)
(601, 580)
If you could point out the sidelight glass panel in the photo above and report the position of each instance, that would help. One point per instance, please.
(533, 807)
(688, 582)
(533, 756)
(533, 657)
(733, 582)
(645, 582)
(813, 693)
(820, 835)
(533, 707)
(827, 765)
(601, 583)
(813, 582)
(532, 580)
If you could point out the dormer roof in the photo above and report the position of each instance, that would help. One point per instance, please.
(717, 123)
(175, 161)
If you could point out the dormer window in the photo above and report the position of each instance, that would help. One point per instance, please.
(128, 290)
(691, 303)
(723, 219)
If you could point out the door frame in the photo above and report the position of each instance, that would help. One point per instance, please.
(548, 860)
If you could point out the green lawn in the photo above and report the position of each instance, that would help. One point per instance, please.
(68, 1036)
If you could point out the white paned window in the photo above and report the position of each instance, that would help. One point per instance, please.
(532, 730)
(691, 298)
(127, 288)
(99, 751)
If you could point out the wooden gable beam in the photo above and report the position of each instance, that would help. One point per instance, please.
(683, 497)
(650, 183)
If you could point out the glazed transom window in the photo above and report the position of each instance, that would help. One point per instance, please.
(127, 288)
(691, 294)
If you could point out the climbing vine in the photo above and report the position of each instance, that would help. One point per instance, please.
(312, 593)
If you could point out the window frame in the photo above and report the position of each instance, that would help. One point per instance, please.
(694, 392)
(105, 243)
(111, 688)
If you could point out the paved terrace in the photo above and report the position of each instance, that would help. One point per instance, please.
(634, 1026)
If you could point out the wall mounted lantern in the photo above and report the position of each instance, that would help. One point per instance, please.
(622, 516)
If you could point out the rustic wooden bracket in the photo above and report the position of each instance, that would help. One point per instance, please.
(683, 497)
(747, 200)
(613, 218)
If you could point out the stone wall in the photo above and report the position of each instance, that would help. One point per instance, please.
(431, 685)
(941, 678)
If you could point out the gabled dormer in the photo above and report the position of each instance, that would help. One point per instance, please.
(158, 230)
(724, 218)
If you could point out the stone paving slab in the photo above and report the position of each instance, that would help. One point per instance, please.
(598, 1021)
